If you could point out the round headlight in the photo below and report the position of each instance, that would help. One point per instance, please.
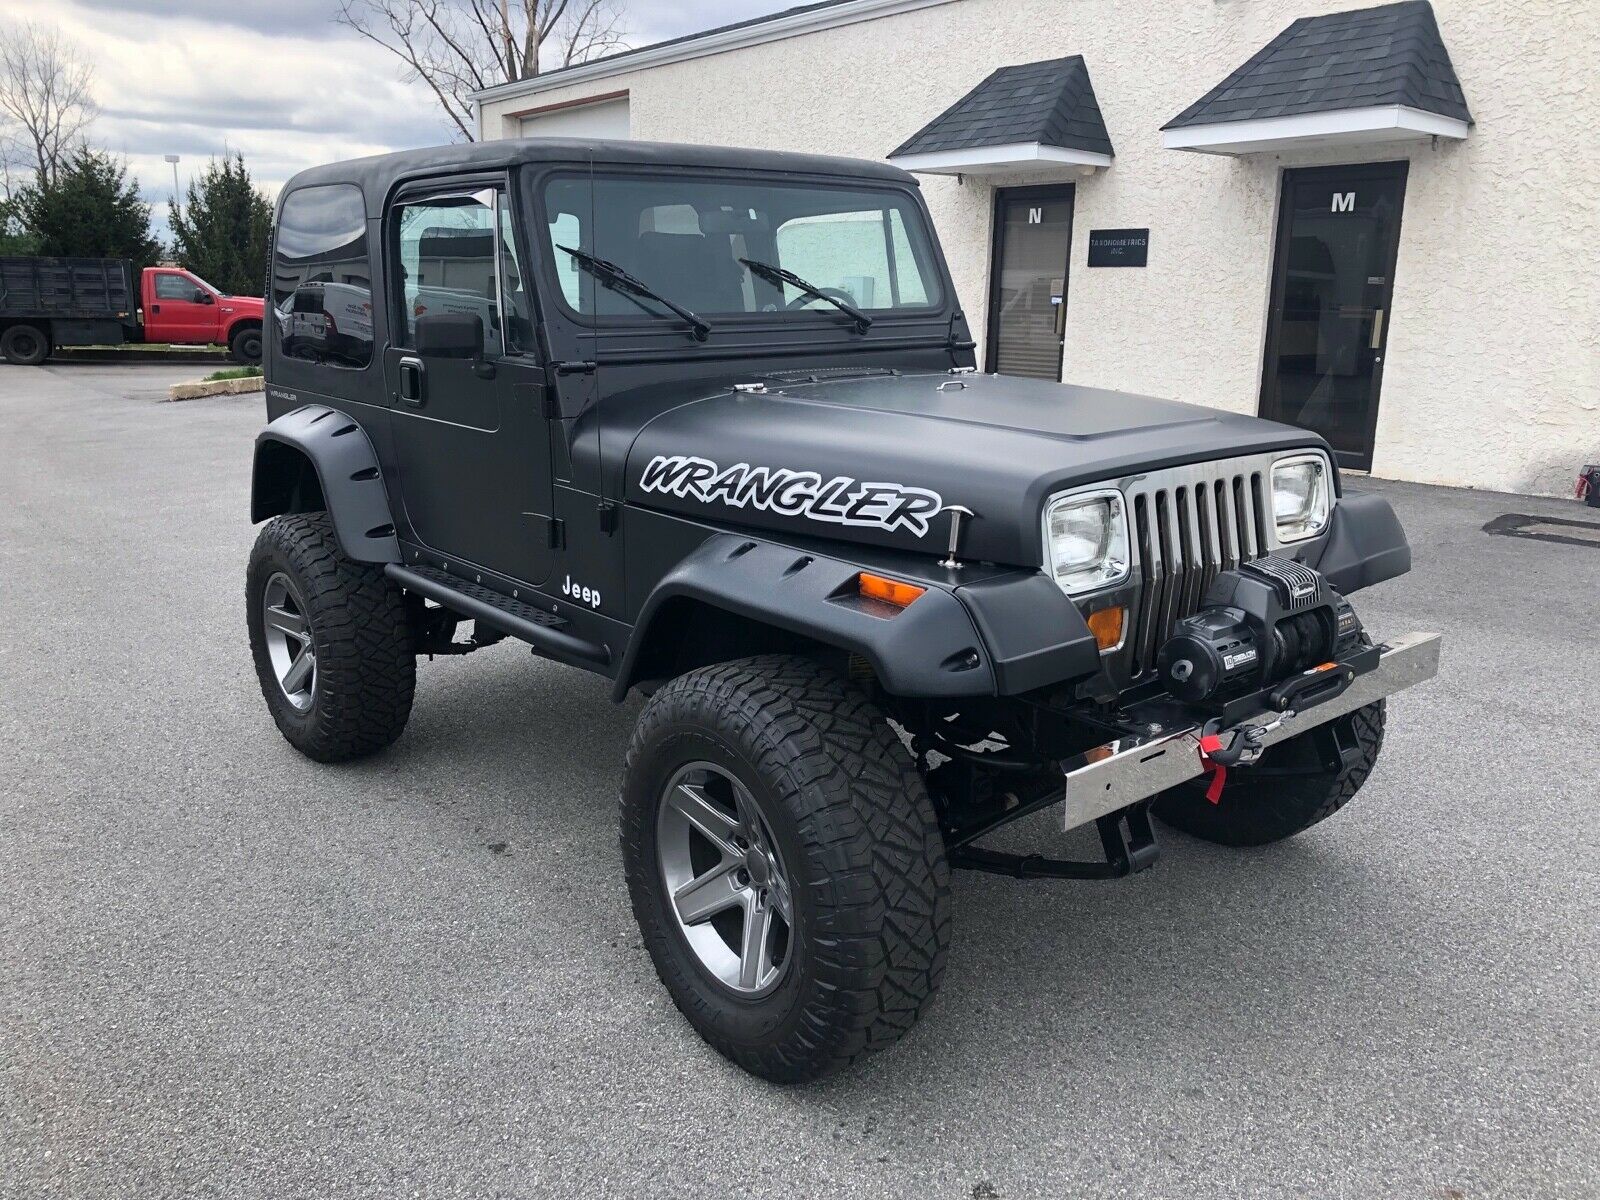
(1301, 497)
(1086, 541)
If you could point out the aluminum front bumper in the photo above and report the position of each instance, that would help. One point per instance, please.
(1108, 778)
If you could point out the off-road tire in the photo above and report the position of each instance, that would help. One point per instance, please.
(1255, 810)
(366, 666)
(851, 819)
(245, 346)
(25, 345)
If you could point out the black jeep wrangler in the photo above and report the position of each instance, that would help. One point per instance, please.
(707, 422)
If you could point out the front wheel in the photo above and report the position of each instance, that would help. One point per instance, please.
(1295, 785)
(245, 347)
(331, 640)
(785, 865)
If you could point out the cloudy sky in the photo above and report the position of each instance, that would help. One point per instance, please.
(274, 79)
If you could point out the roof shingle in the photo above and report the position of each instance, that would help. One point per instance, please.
(1048, 102)
(1361, 59)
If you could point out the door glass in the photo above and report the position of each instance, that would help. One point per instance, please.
(1335, 255)
(1028, 306)
(448, 262)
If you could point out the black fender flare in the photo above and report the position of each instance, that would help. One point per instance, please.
(960, 641)
(1365, 544)
(349, 482)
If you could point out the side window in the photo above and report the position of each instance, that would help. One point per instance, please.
(176, 287)
(322, 277)
(456, 257)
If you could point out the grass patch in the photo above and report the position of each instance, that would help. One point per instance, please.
(233, 373)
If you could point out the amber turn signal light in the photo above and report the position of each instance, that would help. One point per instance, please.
(1106, 625)
(890, 591)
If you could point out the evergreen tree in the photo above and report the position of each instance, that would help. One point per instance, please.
(222, 234)
(91, 210)
(15, 236)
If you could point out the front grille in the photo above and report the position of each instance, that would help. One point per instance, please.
(1188, 524)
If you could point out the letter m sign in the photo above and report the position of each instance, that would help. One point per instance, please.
(1344, 202)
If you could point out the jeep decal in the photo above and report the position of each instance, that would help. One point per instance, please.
(783, 490)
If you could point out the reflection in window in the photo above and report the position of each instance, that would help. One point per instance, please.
(451, 262)
(685, 239)
(321, 285)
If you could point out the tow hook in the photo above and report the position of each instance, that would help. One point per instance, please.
(1237, 747)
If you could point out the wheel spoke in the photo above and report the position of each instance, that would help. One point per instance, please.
(706, 895)
(755, 952)
(299, 672)
(716, 825)
(291, 623)
(781, 900)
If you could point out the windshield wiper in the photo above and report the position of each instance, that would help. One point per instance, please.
(618, 280)
(774, 274)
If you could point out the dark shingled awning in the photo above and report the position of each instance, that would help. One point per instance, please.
(1386, 70)
(1022, 118)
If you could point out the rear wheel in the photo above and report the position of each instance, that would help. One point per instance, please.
(24, 345)
(785, 865)
(331, 641)
(245, 348)
(1295, 785)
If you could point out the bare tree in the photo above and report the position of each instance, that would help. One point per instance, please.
(45, 91)
(457, 47)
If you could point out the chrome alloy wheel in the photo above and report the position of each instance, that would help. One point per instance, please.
(288, 637)
(725, 880)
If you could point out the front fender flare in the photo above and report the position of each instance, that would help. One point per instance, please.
(1365, 544)
(347, 471)
(930, 648)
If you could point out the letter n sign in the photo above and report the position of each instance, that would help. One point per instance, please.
(1344, 202)
(1036, 216)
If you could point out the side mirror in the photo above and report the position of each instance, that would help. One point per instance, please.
(203, 297)
(450, 335)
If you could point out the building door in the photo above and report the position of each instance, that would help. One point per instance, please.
(1332, 283)
(1028, 281)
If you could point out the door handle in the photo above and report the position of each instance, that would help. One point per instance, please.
(413, 381)
(1377, 329)
(155, 308)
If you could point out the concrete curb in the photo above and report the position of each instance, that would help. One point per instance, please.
(215, 387)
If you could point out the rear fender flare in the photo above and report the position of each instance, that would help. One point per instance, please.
(349, 482)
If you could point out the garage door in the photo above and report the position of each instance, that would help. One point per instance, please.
(605, 119)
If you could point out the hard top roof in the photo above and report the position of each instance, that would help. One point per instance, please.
(378, 174)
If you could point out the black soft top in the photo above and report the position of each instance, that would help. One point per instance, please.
(377, 175)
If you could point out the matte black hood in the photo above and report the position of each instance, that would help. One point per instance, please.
(876, 459)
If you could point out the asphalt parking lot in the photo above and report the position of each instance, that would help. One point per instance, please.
(226, 971)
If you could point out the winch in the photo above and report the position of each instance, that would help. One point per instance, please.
(1264, 621)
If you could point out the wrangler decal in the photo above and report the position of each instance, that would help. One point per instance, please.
(790, 493)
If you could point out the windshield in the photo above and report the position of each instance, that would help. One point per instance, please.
(692, 240)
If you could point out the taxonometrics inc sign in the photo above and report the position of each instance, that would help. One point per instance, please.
(1118, 247)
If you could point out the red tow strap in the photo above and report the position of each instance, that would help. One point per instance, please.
(1218, 772)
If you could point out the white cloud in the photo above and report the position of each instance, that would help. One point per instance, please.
(276, 80)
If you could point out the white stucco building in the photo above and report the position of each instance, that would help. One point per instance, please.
(1383, 223)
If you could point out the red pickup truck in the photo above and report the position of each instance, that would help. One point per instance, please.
(47, 303)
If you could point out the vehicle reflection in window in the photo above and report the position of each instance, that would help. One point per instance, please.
(321, 277)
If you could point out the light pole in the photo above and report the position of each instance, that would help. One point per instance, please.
(173, 159)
